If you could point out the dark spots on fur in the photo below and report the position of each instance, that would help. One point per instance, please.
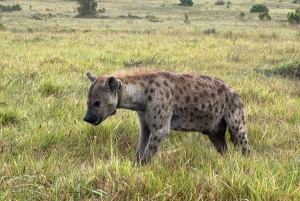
(197, 87)
(210, 107)
(154, 117)
(154, 125)
(205, 77)
(142, 84)
(228, 115)
(187, 99)
(216, 110)
(149, 98)
(195, 99)
(188, 85)
(163, 106)
(153, 147)
(166, 83)
(168, 94)
(184, 88)
(158, 140)
(155, 138)
(180, 90)
(187, 75)
(152, 90)
(172, 92)
(213, 95)
(160, 126)
(151, 81)
(146, 91)
(158, 112)
(157, 84)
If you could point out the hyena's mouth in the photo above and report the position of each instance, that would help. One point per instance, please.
(97, 122)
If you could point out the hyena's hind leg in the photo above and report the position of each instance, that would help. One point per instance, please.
(217, 137)
(237, 129)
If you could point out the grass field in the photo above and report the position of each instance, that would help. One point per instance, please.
(47, 152)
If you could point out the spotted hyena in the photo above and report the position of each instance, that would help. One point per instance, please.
(167, 101)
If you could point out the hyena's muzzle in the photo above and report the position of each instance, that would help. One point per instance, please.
(91, 118)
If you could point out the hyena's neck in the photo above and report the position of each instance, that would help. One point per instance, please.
(132, 96)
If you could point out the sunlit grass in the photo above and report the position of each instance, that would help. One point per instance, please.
(47, 152)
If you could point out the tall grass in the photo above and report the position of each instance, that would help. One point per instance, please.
(47, 152)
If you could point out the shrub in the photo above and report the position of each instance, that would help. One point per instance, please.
(290, 69)
(2, 27)
(16, 7)
(296, 2)
(210, 31)
(264, 15)
(219, 3)
(186, 3)
(101, 10)
(259, 8)
(87, 8)
(7, 8)
(153, 18)
(37, 16)
(242, 15)
(294, 17)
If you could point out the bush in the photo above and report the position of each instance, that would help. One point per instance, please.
(264, 15)
(16, 7)
(242, 15)
(296, 2)
(7, 8)
(87, 8)
(186, 3)
(219, 3)
(210, 31)
(294, 17)
(259, 8)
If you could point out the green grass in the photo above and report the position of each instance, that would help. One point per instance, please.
(47, 151)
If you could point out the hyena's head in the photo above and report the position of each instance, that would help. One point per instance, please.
(102, 98)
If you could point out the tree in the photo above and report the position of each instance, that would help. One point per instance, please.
(259, 8)
(87, 8)
(186, 3)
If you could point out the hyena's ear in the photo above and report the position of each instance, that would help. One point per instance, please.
(91, 76)
(113, 83)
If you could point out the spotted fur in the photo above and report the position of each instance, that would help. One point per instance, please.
(167, 101)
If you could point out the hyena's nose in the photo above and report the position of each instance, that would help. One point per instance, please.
(90, 118)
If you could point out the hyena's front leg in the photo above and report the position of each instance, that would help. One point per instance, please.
(160, 128)
(144, 136)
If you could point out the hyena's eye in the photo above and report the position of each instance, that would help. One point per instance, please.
(97, 104)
